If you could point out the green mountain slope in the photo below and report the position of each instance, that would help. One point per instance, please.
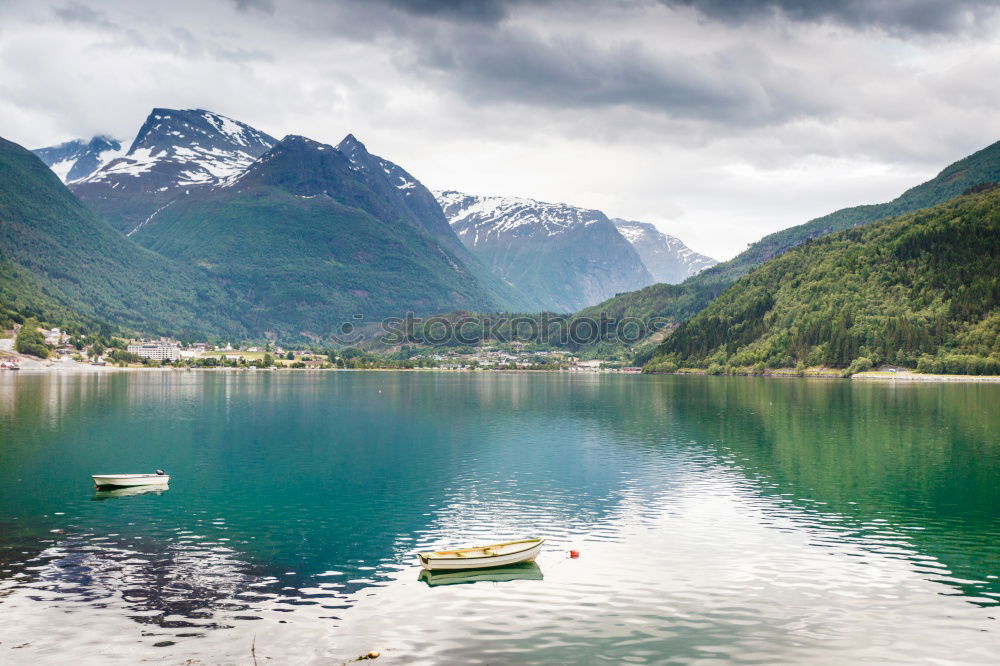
(922, 289)
(57, 258)
(677, 304)
(303, 237)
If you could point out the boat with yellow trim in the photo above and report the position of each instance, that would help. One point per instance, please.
(483, 557)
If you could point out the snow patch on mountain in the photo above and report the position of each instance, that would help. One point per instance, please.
(182, 148)
(667, 257)
(77, 159)
(62, 168)
(477, 219)
(565, 256)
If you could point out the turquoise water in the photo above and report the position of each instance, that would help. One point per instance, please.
(718, 519)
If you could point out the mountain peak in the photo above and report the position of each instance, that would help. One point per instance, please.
(77, 159)
(567, 257)
(299, 165)
(395, 182)
(181, 148)
(667, 257)
(104, 142)
(354, 149)
(169, 127)
(303, 142)
(174, 150)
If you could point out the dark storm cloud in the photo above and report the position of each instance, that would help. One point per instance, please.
(740, 85)
(908, 16)
(468, 47)
(477, 11)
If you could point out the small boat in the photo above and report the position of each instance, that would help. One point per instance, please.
(483, 557)
(161, 478)
(519, 571)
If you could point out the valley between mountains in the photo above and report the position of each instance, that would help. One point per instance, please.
(203, 226)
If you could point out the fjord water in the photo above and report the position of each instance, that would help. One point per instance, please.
(719, 519)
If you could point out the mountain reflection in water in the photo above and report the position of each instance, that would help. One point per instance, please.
(734, 519)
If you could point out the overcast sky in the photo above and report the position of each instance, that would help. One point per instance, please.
(718, 121)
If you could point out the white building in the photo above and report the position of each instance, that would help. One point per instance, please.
(156, 350)
(54, 337)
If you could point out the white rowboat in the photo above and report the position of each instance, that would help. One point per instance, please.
(482, 557)
(128, 480)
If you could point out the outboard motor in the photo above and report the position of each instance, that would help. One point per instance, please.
(160, 472)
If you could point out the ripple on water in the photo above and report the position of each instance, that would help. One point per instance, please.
(691, 550)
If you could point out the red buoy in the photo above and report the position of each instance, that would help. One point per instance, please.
(574, 554)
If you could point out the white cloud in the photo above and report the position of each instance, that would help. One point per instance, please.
(720, 128)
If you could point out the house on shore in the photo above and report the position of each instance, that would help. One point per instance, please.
(163, 349)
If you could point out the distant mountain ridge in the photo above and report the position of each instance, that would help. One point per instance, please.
(308, 235)
(173, 152)
(312, 240)
(668, 259)
(78, 159)
(567, 257)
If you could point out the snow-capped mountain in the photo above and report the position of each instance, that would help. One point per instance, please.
(174, 151)
(311, 243)
(183, 148)
(667, 258)
(567, 257)
(78, 159)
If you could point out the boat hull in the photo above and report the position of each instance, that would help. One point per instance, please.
(129, 480)
(528, 554)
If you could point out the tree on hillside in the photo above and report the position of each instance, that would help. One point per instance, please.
(30, 340)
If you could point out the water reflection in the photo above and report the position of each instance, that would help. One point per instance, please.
(520, 571)
(719, 518)
(111, 493)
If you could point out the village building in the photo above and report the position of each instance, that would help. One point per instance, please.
(54, 337)
(163, 349)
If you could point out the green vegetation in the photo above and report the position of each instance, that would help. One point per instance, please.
(669, 305)
(916, 291)
(30, 340)
(60, 262)
(310, 245)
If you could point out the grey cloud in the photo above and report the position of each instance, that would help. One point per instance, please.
(739, 86)
(484, 59)
(481, 11)
(74, 12)
(488, 12)
(265, 6)
(906, 16)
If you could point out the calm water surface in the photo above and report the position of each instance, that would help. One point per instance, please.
(719, 519)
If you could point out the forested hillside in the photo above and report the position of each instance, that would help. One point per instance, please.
(676, 303)
(60, 261)
(919, 290)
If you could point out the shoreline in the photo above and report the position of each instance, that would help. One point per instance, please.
(39, 367)
(905, 376)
